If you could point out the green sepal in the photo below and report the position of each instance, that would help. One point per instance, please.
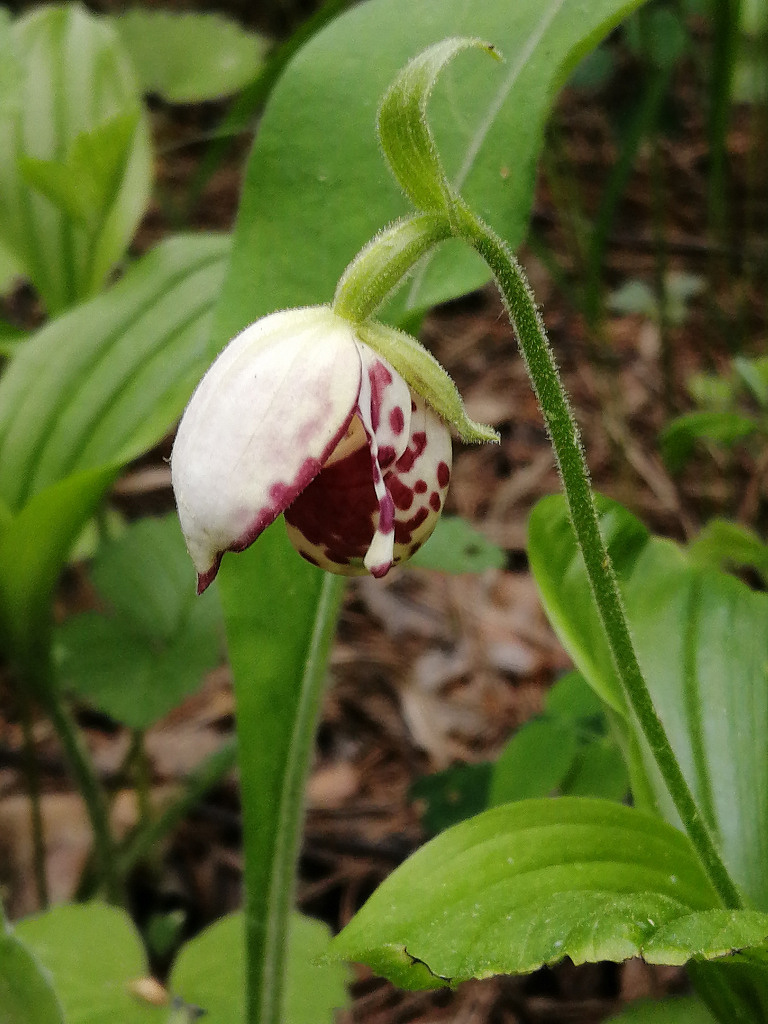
(381, 265)
(424, 374)
(404, 133)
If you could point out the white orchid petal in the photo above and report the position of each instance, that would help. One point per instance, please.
(260, 426)
(384, 407)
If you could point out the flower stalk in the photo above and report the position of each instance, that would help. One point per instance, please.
(563, 432)
(431, 191)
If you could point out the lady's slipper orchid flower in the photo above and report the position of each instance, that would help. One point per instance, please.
(299, 416)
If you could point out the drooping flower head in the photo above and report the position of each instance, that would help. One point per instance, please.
(299, 415)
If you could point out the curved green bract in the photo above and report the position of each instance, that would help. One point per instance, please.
(404, 130)
(529, 883)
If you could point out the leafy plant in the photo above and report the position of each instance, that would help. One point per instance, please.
(153, 642)
(567, 750)
(74, 176)
(732, 408)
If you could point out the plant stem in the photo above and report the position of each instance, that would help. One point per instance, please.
(280, 617)
(267, 1001)
(32, 775)
(725, 36)
(563, 431)
(90, 789)
(660, 279)
(204, 777)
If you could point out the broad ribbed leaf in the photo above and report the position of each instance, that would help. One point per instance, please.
(65, 76)
(529, 883)
(105, 381)
(317, 188)
(702, 641)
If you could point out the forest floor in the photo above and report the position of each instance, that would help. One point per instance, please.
(430, 669)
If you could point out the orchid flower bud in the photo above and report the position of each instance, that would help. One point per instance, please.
(300, 416)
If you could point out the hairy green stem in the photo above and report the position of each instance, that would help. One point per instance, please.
(562, 428)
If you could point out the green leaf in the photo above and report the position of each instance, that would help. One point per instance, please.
(69, 85)
(317, 141)
(637, 297)
(534, 762)
(722, 544)
(87, 181)
(190, 57)
(529, 883)
(712, 391)
(105, 382)
(94, 954)
(209, 973)
(280, 617)
(709, 934)
(598, 770)
(9, 272)
(140, 661)
(571, 697)
(456, 547)
(26, 993)
(567, 749)
(754, 375)
(11, 338)
(679, 438)
(595, 70)
(34, 545)
(701, 638)
(84, 395)
(658, 35)
(688, 1010)
(452, 795)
